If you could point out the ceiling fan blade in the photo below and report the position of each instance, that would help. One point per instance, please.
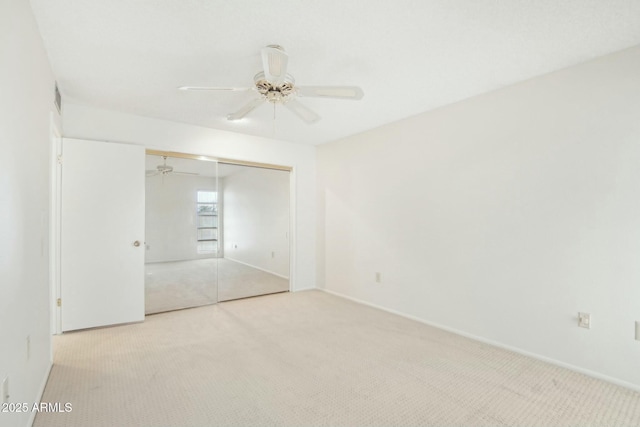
(185, 173)
(249, 107)
(302, 111)
(274, 62)
(151, 173)
(213, 88)
(340, 92)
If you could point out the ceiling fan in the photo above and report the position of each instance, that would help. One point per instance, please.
(273, 84)
(165, 169)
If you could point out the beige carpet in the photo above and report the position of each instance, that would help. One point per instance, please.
(181, 284)
(312, 359)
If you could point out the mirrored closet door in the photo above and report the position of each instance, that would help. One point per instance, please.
(254, 209)
(213, 231)
(182, 235)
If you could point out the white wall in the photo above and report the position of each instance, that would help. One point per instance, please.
(26, 85)
(170, 216)
(92, 123)
(256, 218)
(501, 216)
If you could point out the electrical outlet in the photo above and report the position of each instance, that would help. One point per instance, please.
(5, 390)
(378, 278)
(273, 254)
(637, 330)
(584, 320)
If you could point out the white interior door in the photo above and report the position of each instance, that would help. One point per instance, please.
(102, 267)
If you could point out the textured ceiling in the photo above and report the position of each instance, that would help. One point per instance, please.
(409, 56)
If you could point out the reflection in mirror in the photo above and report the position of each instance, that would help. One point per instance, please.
(254, 203)
(181, 235)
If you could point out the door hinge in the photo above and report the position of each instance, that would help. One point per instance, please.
(59, 160)
(59, 302)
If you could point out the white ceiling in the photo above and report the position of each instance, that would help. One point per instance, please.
(409, 56)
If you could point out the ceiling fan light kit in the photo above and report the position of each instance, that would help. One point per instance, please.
(275, 86)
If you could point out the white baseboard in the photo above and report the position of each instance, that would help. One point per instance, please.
(569, 366)
(32, 417)
(257, 268)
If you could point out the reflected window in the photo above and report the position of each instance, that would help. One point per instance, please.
(207, 222)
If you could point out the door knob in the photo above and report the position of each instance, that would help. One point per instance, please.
(136, 243)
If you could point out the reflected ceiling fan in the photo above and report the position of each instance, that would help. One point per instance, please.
(274, 85)
(165, 169)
